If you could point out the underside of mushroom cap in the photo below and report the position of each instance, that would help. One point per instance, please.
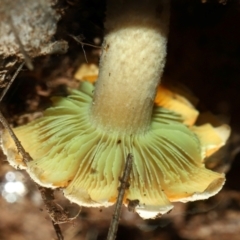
(177, 103)
(68, 151)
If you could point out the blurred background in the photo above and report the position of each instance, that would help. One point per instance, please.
(203, 54)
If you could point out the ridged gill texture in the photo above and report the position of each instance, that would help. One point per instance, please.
(71, 152)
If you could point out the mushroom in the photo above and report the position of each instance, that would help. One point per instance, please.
(82, 141)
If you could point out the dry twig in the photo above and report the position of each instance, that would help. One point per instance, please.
(27, 59)
(55, 211)
(11, 81)
(123, 186)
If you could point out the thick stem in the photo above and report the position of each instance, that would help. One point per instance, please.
(131, 64)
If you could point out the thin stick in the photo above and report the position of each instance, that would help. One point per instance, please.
(11, 81)
(55, 211)
(26, 156)
(24, 53)
(58, 231)
(47, 195)
(50, 205)
(123, 186)
(84, 53)
(79, 40)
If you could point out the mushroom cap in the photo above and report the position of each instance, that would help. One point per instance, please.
(87, 72)
(68, 151)
(177, 103)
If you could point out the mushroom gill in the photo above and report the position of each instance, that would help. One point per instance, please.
(82, 142)
(69, 151)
